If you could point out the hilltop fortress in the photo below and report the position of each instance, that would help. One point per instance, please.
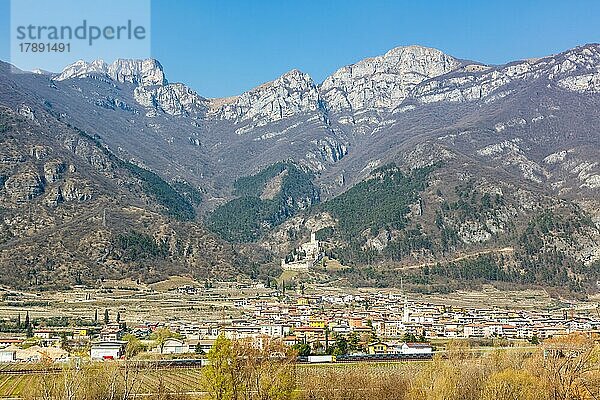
(305, 257)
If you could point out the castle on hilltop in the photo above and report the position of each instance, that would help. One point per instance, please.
(305, 257)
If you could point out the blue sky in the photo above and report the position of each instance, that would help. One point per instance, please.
(222, 48)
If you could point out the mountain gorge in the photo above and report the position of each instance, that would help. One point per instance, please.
(412, 164)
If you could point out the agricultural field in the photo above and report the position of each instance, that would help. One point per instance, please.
(136, 303)
(139, 303)
(146, 382)
(174, 380)
(187, 381)
(16, 385)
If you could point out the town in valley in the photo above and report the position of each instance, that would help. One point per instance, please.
(185, 320)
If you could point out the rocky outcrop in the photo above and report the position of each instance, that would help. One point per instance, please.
(53, 170)
(172, 99)
(138, 72)
(292, 93)
(568, 162)
(582, 83)
(383, 82)
(92, 154)
(24, 186)
(152, 89)
(143, 73)
(26, 112)
(73, 190)
(577, 70)
(114, 103)
(327, 149)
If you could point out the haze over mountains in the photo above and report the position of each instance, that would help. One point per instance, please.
(410, 158)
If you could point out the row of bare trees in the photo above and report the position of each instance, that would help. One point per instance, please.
(566, 368)
(239, 370)
(98, 381)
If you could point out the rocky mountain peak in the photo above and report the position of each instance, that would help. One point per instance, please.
(426, 61)
(576, 70)
(295, 79)
(81, 68)
(589, 52)
(384, 81)
(138, 72)
(359, 94)
(292, 93)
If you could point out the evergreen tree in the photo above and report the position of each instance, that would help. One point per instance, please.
(96, 316)
(354, 342)
(341, 346)
(199, 349)
(64, 342)
(28, 327)
(409, 338)
(106, 318)
(303, 349)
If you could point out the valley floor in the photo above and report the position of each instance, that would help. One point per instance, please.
(139, 303)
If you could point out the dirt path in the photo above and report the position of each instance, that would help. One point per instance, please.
(463, 257)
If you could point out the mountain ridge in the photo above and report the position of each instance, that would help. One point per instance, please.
(134, 68)
(526, 131)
